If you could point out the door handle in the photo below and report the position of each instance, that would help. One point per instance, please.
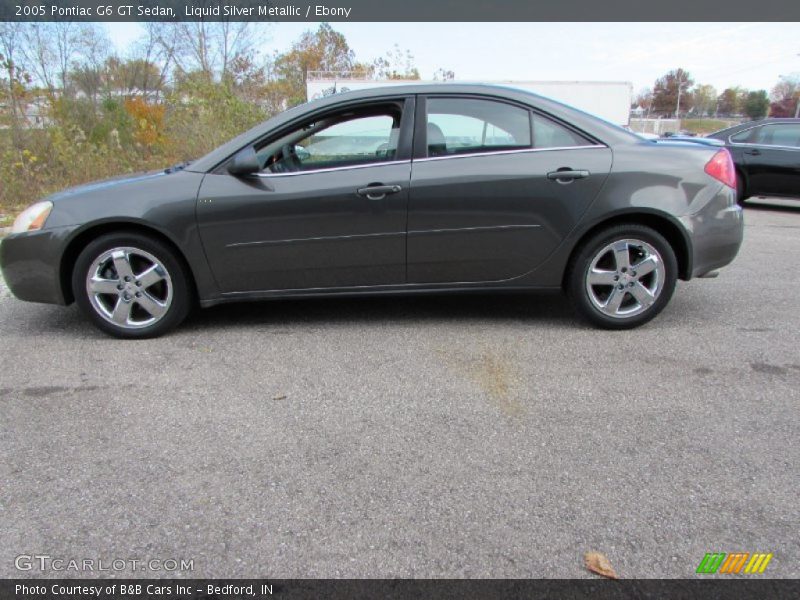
(753, 152)
(378, 192)
(567, 175)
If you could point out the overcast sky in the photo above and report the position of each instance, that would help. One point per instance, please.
(752, 55)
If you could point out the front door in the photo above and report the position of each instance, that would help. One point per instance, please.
(328, 209)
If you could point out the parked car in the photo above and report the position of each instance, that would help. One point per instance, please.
(767, 157)
(412, 189)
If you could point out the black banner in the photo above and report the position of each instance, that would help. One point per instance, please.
(406, 10)
(383, 589)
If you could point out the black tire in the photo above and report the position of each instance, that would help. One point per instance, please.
(576, 285)
(178, 303)
(741, 191)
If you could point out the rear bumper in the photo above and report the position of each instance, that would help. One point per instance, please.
(31, 264)
(716, 231)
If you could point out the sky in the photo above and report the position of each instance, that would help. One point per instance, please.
(752, 55)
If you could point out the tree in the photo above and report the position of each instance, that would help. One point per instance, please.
(209, 47)
(670, 92)
(444, 75)
(785, 97)
(321, 50)
(397, 64)
(728, 103)
(705, 100)
(757, 104)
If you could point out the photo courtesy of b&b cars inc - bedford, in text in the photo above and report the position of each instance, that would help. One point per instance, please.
(346, 299)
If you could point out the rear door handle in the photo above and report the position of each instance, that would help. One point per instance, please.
(567, 175)
(378, 192)
(753, 152)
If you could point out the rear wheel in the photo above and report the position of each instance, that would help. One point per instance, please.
(622, 277)
(131, 285)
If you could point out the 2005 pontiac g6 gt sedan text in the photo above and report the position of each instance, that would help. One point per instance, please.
(406, 189)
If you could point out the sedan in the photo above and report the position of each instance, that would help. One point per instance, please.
(767, 157)
(399, 190)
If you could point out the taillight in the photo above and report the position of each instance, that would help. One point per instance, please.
(720, 167)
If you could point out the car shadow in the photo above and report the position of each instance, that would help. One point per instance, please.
(386, 309)
(772, 205)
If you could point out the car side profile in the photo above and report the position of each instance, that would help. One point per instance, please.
(766, 154)
(399, 190)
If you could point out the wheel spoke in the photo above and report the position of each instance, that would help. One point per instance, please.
(642, 294)
(122, 264)
(645, 266)
(122, 312)
(103, 286)
(150, 276)
(614, 300)
(151, 305)
(622, 255)
(601, 277)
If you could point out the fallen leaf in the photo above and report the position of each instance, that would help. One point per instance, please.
(599, 563)
(279, 398)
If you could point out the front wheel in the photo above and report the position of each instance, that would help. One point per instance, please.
(131, 285)
(622, 277)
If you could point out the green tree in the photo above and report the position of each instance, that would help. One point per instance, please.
(705, 100)
(757, 104)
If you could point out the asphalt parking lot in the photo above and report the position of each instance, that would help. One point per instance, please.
(473, 436)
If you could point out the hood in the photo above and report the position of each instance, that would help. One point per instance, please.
(105, 184)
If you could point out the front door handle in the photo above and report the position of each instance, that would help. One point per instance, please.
(567, 175)
(378, 192)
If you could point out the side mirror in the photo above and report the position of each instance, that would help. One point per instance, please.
(244, 162)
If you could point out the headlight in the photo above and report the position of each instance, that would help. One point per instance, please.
(32, 218)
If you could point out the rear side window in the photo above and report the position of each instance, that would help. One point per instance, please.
(467, 126)
(549, 134)
(778, 135)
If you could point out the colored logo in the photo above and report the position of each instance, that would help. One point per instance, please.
(735, 563)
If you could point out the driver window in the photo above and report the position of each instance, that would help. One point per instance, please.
(338, 141)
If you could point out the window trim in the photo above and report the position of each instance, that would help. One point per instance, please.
(331, 169)
(520, 151)
(420, 148)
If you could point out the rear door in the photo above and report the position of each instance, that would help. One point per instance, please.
(772, 157)
(494, 188)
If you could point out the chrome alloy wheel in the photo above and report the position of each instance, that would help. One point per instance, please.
(625, 278)
(129, 287)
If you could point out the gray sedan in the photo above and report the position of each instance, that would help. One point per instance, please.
(400, 190)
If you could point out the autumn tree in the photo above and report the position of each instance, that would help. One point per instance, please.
(785, 97)
(670, 92)
(320, 50)
(730, 101)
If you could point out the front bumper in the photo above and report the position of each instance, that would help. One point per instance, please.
(716, 231)
(31, 264)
